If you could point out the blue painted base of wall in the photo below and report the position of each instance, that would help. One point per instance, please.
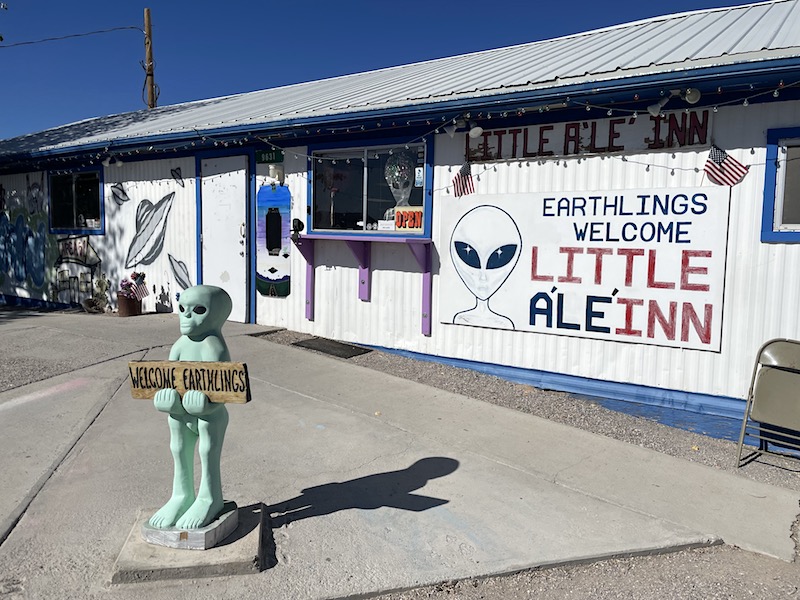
(714, 416)
(34, 303)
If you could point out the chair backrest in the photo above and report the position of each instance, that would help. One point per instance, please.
(782, 354)
(776, 397)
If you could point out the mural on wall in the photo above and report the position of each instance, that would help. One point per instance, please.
(67, 269)
(180, 272)
(273, 240)
(484, 249)
(75, 250)
(149, 238)
(119, 194)
(177, 176)
(35, 194)
(151, 223)
(641, 266)
(23, 236)
(22, 249)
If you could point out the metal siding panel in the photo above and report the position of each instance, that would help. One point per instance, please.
(150, 181)
(762, 289)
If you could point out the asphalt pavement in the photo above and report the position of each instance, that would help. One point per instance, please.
(372, 482)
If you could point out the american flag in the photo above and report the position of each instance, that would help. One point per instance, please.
(140, 289)
(462, 182)
(722, 169)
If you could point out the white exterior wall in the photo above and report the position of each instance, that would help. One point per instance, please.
(28, 269)
(762, 284)
(151, 181)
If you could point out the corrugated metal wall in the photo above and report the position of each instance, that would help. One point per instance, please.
(134, 189)
(762, 286)
(26, 251)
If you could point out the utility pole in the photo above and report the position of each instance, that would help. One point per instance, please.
(149, 81)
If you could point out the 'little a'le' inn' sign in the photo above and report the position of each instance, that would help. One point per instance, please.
(625, 133)
(225, 382)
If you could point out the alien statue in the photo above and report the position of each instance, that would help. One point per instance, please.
(203, 311)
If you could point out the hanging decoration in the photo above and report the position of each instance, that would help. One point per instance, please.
(462, 182)
(722, 169)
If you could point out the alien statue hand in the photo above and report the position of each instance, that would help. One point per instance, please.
(197, 403)
(169, 401)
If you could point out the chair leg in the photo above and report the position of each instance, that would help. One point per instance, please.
(742, 432)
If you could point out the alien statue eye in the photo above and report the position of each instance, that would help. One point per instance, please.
(468, 254)
(180, 306)
(200, 310)
(502, 256)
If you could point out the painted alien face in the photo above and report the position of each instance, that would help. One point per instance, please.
(203, 310)
(485, 248)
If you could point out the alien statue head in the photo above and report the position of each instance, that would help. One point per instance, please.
(203, 310)
(399, 174)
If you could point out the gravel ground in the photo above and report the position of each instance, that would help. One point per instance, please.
(708, 573)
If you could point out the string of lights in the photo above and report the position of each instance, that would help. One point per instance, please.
(284, 141)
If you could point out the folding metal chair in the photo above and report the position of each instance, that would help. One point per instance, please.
(772, 414)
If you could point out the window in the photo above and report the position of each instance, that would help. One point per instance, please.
(76, 202)
(780, 221)
(375, 190)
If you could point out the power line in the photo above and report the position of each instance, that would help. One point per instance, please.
(74, 35)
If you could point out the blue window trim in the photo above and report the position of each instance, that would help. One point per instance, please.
(77, 230)
(427, 190)
(768, 232)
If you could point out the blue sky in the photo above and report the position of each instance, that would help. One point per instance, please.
(205, 49)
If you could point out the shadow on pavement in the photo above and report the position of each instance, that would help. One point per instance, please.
(392, 489)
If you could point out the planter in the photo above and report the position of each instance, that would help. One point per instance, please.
(129, 307)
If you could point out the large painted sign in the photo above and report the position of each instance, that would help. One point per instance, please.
(642, 266)
(588, 137)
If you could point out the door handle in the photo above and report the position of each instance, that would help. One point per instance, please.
(241, 230)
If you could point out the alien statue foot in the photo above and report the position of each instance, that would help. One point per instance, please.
(202, 512)
(168, 515)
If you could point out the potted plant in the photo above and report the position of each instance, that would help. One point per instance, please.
(130, 293)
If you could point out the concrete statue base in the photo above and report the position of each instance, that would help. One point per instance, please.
(202, 538)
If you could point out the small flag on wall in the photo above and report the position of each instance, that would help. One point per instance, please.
(722, 169)
(462, 182)
(139, 287)
(140, 291)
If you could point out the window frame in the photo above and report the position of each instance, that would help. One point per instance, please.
(774, 181)
(100, 230)
(384, 145)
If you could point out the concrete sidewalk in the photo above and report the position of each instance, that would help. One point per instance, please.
(401, 484)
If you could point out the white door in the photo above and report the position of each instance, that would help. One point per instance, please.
(223, 196)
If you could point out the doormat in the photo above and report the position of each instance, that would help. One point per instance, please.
(332, 347)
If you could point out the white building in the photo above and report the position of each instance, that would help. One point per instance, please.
(594, 247)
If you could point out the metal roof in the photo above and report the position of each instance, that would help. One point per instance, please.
(669, 44)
